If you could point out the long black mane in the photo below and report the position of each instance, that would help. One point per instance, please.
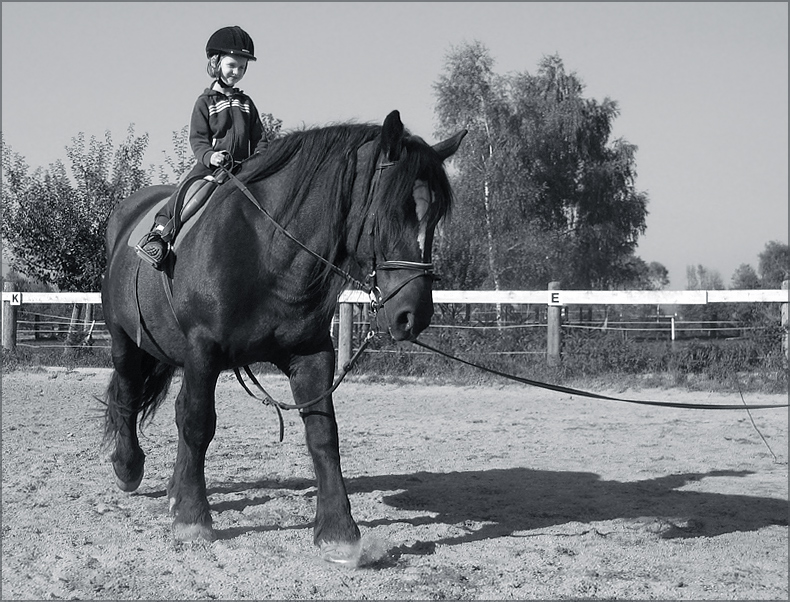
(326, 158)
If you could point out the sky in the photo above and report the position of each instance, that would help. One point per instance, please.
(702, 88)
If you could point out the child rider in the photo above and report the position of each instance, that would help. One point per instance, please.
(225, 128)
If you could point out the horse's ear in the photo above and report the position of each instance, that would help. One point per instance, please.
(392, 136)
(448, 147)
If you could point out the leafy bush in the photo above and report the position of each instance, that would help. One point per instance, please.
(597, 353)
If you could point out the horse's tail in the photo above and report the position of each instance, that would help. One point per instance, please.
(157, 377)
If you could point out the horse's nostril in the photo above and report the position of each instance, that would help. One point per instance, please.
(405, 321)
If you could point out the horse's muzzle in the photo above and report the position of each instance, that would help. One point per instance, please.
(407, 324)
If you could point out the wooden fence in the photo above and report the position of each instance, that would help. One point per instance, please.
(554, 298)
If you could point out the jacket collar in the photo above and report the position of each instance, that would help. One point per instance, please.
(212, 91)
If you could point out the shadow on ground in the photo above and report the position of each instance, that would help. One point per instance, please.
(503, 502)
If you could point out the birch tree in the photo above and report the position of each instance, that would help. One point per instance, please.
(469, 95)
(541, 182)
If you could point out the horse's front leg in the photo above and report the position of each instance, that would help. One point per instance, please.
(196, 419)
(335, 531)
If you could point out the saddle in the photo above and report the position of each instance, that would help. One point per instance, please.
(192, 196)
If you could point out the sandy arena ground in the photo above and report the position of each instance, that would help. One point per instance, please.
(460, 492)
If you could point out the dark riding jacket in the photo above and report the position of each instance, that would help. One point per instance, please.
(229, 123)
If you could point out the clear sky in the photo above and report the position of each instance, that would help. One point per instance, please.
(702, 88)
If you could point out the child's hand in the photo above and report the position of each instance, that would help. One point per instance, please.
(220, 159)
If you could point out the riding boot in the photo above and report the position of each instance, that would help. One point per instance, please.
(153, 247)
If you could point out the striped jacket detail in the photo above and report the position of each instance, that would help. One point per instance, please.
(229, 123)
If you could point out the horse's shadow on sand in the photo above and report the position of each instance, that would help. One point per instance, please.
(506, 502)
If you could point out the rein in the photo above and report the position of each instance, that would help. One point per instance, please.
(240, 185)
(378, 301)
(377, 298)
(278, 405)
(572, 391)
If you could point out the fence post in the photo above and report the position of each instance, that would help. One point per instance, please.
(785, 341)
(344, 331)
(554, 316)
(9, 320)
(88, 317)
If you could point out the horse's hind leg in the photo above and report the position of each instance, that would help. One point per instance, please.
(123, 397)
(138, 384)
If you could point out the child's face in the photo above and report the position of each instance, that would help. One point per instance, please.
(232, 69)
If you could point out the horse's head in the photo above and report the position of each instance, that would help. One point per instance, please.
(410, 194)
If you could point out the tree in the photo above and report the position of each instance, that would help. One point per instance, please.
(701, 278)
(272, 127)
(183, 160)
(652, 276)
(657, 275)
(54, 225)
(745, 278)
(554, 196)
(468, 96)
(774, 264)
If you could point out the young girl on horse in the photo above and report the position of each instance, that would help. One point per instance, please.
(225, 127)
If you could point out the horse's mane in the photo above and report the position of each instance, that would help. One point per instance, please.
(321, 156)
(326, 157)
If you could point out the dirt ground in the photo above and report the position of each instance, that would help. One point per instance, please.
(460, 492)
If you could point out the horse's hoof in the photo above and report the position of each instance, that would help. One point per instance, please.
(128, 486)
(344, 553)
(193, 532)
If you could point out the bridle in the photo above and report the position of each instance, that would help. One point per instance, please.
(378, 299)
(422, 269)
(370, 284)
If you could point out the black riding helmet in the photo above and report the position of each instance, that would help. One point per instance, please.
(231, 40)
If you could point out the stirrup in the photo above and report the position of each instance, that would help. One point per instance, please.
(156, 255)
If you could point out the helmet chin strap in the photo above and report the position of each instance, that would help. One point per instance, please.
(222, 83)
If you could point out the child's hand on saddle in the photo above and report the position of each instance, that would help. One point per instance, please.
(220, 159)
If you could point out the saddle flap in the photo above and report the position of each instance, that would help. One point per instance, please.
(143, 225)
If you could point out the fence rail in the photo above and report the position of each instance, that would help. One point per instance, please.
(553, 298)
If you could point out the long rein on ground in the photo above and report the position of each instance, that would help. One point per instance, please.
(378, 301)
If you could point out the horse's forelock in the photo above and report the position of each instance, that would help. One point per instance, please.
(418, 161)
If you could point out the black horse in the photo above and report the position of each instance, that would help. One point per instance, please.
(256, 279)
